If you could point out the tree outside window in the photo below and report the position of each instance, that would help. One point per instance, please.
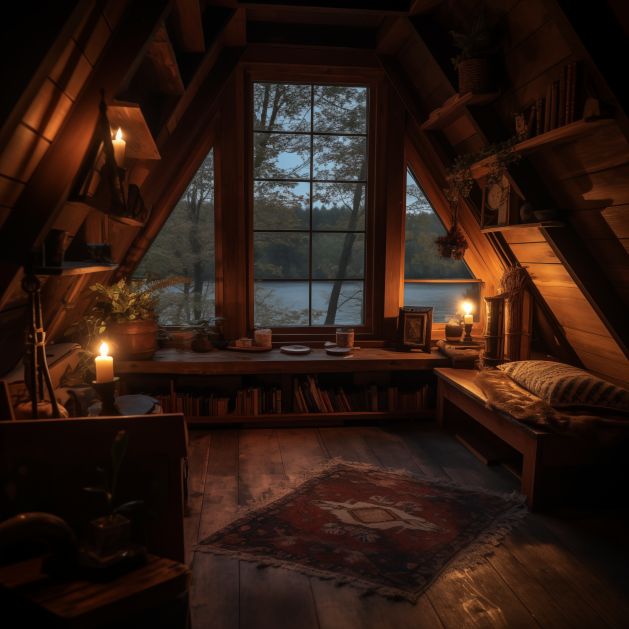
(429, 279)
(185, 247)
(309, 200)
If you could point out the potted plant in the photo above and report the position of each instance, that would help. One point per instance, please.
(125, 311)
(110, 534)
(476, 44)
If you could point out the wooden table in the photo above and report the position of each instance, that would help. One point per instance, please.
(155, 594)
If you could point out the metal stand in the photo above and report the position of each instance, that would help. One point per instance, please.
(36, 372)
(468, 333)
(106, 392)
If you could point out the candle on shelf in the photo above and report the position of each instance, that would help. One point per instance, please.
(119, 148)
(468, 317)
(104, 365)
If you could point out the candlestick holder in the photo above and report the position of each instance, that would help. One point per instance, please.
(468, 333)
(106, 392)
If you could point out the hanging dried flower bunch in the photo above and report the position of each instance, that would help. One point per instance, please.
(513, 280)
(453, 244)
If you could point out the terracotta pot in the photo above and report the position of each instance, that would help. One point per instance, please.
(474, 76)
(133, 340)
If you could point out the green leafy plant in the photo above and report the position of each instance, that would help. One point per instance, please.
(134, 300)
(477, 41)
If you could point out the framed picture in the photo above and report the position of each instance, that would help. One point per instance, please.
(414, 327)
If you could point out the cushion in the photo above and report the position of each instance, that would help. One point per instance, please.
(564, 385)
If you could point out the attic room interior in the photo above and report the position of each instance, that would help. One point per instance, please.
(313, 314)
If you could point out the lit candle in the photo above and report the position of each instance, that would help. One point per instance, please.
(468, 317)
(104, 365)
(119, 148)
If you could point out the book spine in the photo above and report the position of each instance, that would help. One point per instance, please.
(561, 98)
(553, 104)
(549, 91)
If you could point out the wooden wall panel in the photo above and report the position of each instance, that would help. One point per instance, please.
(48, 110)
(534, 252)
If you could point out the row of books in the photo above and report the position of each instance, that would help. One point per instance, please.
(561, 104)
(247, 402)
(310, 397)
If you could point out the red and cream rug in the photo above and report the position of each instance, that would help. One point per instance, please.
(383, 531)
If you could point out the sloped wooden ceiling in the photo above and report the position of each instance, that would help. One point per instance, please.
(175, 58)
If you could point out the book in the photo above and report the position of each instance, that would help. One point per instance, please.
(561, 97)
(549, 90)
(539, 115)
(554, 93)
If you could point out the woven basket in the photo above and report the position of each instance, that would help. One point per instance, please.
(474, 76)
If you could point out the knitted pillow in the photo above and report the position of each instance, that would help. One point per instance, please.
(563, 385)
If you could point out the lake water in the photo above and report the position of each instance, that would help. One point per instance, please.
(284, 302)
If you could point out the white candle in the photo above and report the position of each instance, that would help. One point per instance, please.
(104, 365)
(468, 318)
(119, 148)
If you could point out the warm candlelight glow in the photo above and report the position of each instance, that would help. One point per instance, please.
(468, 307)
(104, 365)
(119, 148)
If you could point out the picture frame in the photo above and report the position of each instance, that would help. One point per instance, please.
(415, 328)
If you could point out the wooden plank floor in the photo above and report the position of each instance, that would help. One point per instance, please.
(566, 570)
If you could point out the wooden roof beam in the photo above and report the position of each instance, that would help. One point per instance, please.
(188, 25)
(42, 199)
(390, 7)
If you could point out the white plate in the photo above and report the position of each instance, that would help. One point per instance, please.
(295, 349)
(339, 351)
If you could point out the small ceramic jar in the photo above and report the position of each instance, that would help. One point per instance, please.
(345, 337)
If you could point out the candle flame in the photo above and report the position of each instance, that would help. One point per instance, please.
(104, 349)
(119, 134)
(468, 307)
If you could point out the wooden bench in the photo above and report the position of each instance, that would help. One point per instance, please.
(541, 451)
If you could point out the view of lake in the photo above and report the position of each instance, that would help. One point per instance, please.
(286, 297)
(286, 303)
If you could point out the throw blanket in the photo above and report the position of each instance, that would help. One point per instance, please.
(506, 396)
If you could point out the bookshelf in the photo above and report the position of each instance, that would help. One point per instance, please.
(538, 224)
(566, 133)
(223, 388)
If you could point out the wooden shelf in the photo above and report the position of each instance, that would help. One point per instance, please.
(504, 228)
(556, 136)
(74, 268)
(83, 205)
(223, 362)
(136, 133)
(301, 418)
(453, 107)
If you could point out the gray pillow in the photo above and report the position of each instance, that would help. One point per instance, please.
(563, 385)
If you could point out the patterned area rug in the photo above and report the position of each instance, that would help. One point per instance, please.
(383, 531)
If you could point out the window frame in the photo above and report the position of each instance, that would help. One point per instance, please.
(314, 76)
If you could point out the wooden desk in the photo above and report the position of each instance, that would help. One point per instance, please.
(155, 593)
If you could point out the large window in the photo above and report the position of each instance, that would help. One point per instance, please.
(184, 248)
(309, 204)
(429, 279)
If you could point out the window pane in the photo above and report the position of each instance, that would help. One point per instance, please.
(337, 303)
(423, 227)
(281, 156)
(185, 247)
(340, 157)
(281, 205)
(444, 298)
(280, 256)
(340, 109)
(281, 303)
(338, 256)
(281, 107)
(338, 206)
